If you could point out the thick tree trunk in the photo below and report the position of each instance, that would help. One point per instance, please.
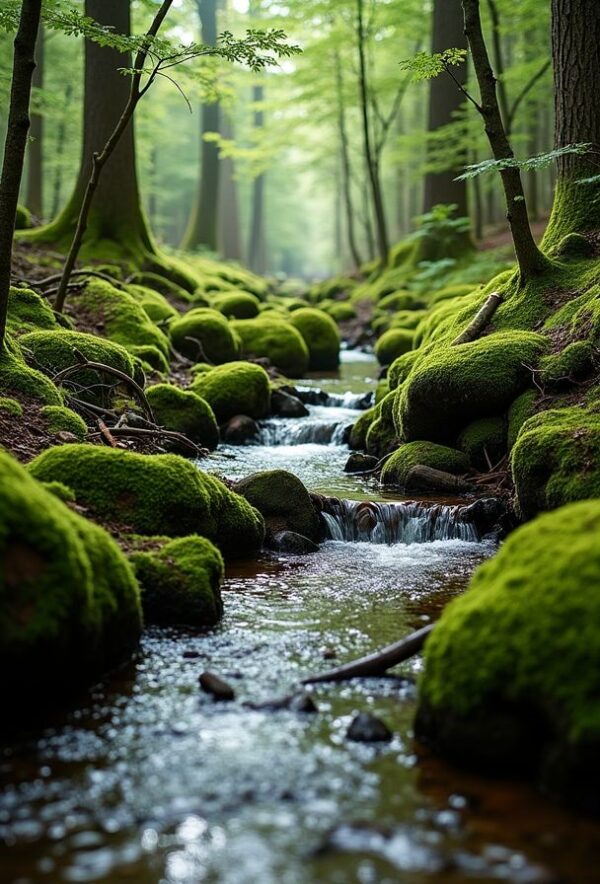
(530, 259)
(257, 246)
(203, 224)
(345, 163)
(16, 141)
(576, 57)
(445, 101)
(35, 152)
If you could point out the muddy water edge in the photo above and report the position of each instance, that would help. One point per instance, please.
(149, 780)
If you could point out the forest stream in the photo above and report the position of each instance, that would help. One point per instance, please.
(152, 780)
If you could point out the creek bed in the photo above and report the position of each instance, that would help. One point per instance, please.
(150, 781)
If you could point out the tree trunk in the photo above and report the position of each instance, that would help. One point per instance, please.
(257, 248)
(576, 58)
(530, 259)
(445, 102)
(16, 141)
(230, 240)
(345, 163)
(373, 170)
(203, 224)
(35, 153)
(61, 140)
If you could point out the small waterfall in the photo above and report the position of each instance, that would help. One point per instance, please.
(355, 401)
(302, 431)
(388, 523)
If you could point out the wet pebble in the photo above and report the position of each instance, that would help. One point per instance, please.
(214, 685)
(329, 653)
(367, 728)
(191, 655)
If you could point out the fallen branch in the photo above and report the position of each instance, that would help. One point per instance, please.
(83, 363)
(378, 663)
(480, 321)
(56, 277)
(106, 433)
(139, 432)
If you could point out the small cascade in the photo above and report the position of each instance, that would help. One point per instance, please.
(354, 401)
(302, 431)
(357, 521)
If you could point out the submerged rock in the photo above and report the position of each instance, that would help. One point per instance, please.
(214, 685)
(292, 543)
(367, 728)
(240, 430)
(285, 405)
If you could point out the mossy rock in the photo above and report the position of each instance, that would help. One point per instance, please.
(275, 340)
(321, 336)
(512, 668)
(237, 305)
(358, 433)
(61, 419)
(401, 300)
(428, 454)
(235, 388)
(575, 363)
(381, 391)
(170, 290)
(556, 459)
(400, 369)
(183, 411)
(381, 436)
(23, 219)
(452, 386)
(484, 436)
(68, 599)
(283, 501)
(11, 406)
(28, 312)
(340, 311)
(392, 344)
(156, 305)
(180, 582)
(151, 358)
(67, 495)
(17, 377)
(204, 335)
(123, 320)
(520, 411)
(153, 494)
(448, 292)
(407, 319)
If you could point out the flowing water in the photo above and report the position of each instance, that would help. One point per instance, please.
(149, 780)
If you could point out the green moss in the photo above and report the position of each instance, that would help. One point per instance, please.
(61, 419)
(381, 436)
(69, 603)
(11, 406)
(59, 490)
(320, 335)
(235, 388)
(393, 343)
(401, 301)
(340, 311)
(574, 245)
(17, 377)
(184, 412)
(201, 368)
(153, 494)
(170, 290)
(486, 436)
(204, 335)
(358, 433)
(400, 369)
(124, 321)
(151, 358)
(453, 385)
(275, 340)
(428, 454)
(458, 290)
(520, 411)
(181, 582)
(156, 305)
(283, 501)
(407, 319)
(23, 220)
(28, 312)
(237, 305)
(575, 362)
(512, 668)
(556, 459)
(381, 391)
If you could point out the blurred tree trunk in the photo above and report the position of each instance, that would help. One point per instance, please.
(61, 141)
(202, 227)
(16, 141)
(230, 240)
(35, 152)
(345, 162)
(257, 246)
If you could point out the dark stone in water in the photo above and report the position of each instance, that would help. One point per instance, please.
(360, 463)
(191, 655)
(219, 689)
(285, 405)
(367, 728)
(240, 430)
(292, 543)
(490, 514)
(294, 702)
(329, 653)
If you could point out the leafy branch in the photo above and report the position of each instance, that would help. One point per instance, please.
(529, 164)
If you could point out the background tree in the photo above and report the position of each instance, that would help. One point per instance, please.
(35, 151)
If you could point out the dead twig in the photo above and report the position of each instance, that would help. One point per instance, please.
(139, 432)
(83, 363)
(106, 433)
(480, 321)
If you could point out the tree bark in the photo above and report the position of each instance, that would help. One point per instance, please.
(202, 228)
(230, 241)
(257, 251)
(576, 58)
(530, 259)
(16, 141)
(35, 152)
(445, 102)
(345, 163)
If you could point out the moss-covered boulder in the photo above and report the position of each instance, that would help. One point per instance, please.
(381, 435)
(69, 602)
(451, 386)
(11, 406)
(17, 377)
(520, 411)
(340, 311)
(428, 454)
(153, 495)
(484, 441)
(184, 412)
(180, 581)
(275, 340)
(575, 363)
(321, 336)
(400, 369)
(235, 388)
(151, 359)
(358, 433)
(173, 292)
(512, 668)
(63, 420)
(204, 335)
(556, 459)
(237, 305)
(28, 312)
(392, 344)
(155, 305)
(283, 501)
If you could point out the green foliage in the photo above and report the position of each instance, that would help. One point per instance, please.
(426, 65)
(530, 164)
(153, 494)
(235, 388)
(396, 470)
(184, 412)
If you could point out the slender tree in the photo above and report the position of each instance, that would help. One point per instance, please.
(16, 141)
(35, 151)
(346, 170)
(202, 227)
(61, 141)
(257, 245)
(230, 242)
